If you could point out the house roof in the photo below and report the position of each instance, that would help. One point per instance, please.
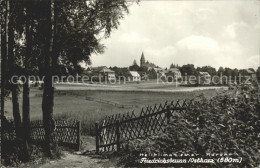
(99, 68)
(204, 73)
(147, 64)
(134, 73)
(249, 71)
(158, 69)
(103, 69)
(107, 70)
(173, 70)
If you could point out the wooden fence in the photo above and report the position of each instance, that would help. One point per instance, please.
(66, 133)
(114, 131)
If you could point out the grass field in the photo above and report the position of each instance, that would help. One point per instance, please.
(72, 104)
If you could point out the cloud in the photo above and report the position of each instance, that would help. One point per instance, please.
(232, 29)
(161, 56)
(232, 48)
(253, 61)
(198, 43)
(162, 52)
(216, 33)
(204, 13)
(133, 37)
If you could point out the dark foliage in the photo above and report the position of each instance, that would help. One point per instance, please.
(227, 123)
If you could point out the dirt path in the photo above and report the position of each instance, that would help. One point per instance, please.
(77, 161)
(80, 159)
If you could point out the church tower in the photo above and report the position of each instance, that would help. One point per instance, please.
(142, 61)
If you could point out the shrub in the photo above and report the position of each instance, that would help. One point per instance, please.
(228, 123)
(13, 148)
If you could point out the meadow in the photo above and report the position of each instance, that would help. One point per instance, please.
(73, 104)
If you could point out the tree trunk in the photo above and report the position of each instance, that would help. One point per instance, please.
(14, 87)
(26, 120)
(47, 101)
(26, 90)
(4, 56)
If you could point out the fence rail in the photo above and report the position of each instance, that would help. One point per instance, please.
(114, 131)
(66, 133)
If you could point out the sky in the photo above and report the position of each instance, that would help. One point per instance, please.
(215, 33)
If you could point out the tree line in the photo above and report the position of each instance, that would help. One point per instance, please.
(46, 38)
(190, 69)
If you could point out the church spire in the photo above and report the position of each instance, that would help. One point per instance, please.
(142, 57)
(142, 61)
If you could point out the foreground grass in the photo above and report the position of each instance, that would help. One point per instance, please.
(73, 104)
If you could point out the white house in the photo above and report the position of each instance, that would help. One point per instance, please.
(134, 76)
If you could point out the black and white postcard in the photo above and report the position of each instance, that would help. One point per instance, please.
(130, 83)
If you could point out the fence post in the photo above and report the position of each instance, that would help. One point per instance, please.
(78, 135)
(168, 114)
(97, 137)
(117, 136)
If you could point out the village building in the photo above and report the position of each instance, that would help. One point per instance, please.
(205, 78)
(134, 76)
(172, 74)
(247, 75)
(155, 71)
(101, 72)
(175, 72)
(146, 64)
(251, 74)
